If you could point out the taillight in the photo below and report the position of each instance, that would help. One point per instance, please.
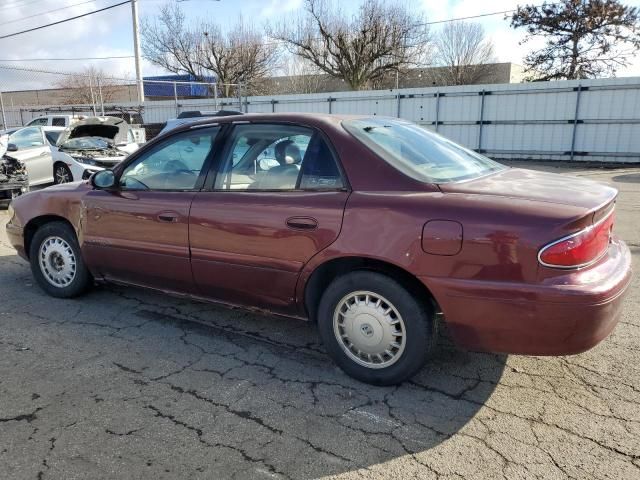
(579, 249)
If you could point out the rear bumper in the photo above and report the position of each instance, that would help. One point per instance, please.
(565, 315)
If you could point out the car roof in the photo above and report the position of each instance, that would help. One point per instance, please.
(304, 118)
(210, 113)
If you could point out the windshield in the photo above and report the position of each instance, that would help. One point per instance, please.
(418, 153)
(86, 143)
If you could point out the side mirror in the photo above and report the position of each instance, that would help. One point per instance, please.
(12, 147)
(103, 179)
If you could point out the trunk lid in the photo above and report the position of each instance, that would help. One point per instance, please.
(538, 186)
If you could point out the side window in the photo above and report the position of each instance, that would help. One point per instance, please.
(41, 121)
(277, 157)
(319, 169)
(52, 137)
(27, 138)
(58, 122)
(172, 165)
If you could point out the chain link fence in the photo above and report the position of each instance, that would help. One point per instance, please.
(589, 120)
(29, 93)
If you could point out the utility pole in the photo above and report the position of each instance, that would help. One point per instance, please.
(4, 118)
(136, 48)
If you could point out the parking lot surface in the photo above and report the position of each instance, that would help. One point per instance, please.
(125, 383)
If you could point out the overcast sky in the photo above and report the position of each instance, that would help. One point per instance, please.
(110, 33)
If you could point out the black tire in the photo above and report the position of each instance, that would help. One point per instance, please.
(61, 174)
(416, 314)
(81, 279)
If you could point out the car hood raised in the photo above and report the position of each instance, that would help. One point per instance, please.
(538, 186)
(111, 128)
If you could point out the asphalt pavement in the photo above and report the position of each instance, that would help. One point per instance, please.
(126, 383)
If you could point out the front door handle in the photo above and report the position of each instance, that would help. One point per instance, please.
(302, 223)
(44, 154)
(168, 217)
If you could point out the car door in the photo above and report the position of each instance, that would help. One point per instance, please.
(138, 231)
(34, 151)
(278, 199)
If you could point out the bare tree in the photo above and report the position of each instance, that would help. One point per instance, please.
(238, 56)
(88, 87)
(381, 38)
(170, 44)
(298, 76)
(463, 51)
(584, 38)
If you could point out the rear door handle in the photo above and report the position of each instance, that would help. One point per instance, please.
(302, 223)
(43, 154)
(168, 217)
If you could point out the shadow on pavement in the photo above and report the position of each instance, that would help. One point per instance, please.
(186, 385)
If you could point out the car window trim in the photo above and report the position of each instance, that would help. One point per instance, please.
(154, 147)
(221, 154)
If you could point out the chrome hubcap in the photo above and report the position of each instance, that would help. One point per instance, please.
(62, 175)
(369, 329)
(57, 262)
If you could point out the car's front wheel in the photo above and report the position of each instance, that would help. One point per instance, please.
(62, 174)
(56, 261)
(374, 328)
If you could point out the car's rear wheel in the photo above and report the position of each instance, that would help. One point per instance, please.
(374, 328)
(56, 261)
(62, 174)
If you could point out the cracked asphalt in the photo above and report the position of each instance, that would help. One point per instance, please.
(125, 383)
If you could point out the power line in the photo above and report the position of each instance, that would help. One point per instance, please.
(68, 74)
(17, 4)
(63, 59)
(48, 11)
(482, 15)
(65, 20)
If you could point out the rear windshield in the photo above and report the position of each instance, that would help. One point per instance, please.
(419, 153)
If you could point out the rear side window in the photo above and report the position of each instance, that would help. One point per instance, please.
(58, 122)
(277, 157)
(319, 169)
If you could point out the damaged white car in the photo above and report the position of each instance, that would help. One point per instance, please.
(14, 180)
(90, 145)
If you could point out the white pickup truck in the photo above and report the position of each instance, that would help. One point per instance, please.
(54, 121)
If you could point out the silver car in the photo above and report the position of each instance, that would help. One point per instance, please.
(31, 147)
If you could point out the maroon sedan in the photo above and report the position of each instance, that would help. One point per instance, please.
(368, 226)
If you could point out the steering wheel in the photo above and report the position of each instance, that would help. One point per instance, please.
(177, 166)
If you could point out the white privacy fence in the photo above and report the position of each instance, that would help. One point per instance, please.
(595, 120)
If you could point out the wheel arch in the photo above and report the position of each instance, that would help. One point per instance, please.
(37, 222)
(63, 164)
(331, 269)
